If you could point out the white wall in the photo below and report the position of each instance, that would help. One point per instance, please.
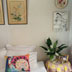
(38, 29)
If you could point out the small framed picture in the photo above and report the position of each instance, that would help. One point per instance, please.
(1, 13)
(65, 57)
(17, 11)
(61, 3)
(60, 21)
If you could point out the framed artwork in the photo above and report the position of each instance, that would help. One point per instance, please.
(17, 11)
(1, 13)
(65, 57)
(61, 3)
(60, 21)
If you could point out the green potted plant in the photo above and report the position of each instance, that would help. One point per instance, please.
(52, 49)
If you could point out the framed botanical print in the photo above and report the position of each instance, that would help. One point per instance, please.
(1, 13)
(61, 3)
(60, 21)
(17, 11)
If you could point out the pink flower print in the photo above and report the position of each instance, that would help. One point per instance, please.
(64, 3)
(60, 1)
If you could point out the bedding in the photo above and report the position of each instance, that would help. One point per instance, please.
(39, 68)
(20, 47)
(17, 64)
(2, 59)
(3, 52)
(32, 57)
(32, 60)
(22, 50)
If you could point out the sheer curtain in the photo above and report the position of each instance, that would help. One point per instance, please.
(70, 30)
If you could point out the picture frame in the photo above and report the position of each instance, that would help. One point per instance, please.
(17, 12)
(61, 3)
(1, 13)
(60, 21)
(66, 57)
(63, 58)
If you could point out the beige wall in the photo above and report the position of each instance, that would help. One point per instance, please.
(38, 29)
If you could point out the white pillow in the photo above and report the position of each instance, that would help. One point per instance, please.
(32, 57)
(20, 47)
(33, 60)
(22, 50)
(3, 52)
(2, 59)
(16, 52)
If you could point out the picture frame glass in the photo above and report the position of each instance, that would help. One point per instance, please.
(17, 11)
(60, 22)
(61, 3)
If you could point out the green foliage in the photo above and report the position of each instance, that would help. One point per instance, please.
(49, 42)
(52, 49)
(15, 17)
(44, 48)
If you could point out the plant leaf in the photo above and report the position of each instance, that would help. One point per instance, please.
(50, 53)
(49, 42)
(44, 48)
(61, 48)
(55, 45)
(51, 57)
(61, 45)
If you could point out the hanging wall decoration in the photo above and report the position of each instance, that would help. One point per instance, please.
(17, 11)
(1, 13)
(61, 3)
(60, 21)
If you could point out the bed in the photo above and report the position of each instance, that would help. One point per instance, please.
(40, 68)
(35, 66)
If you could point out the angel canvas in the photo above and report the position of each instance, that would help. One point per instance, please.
(60, 21)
